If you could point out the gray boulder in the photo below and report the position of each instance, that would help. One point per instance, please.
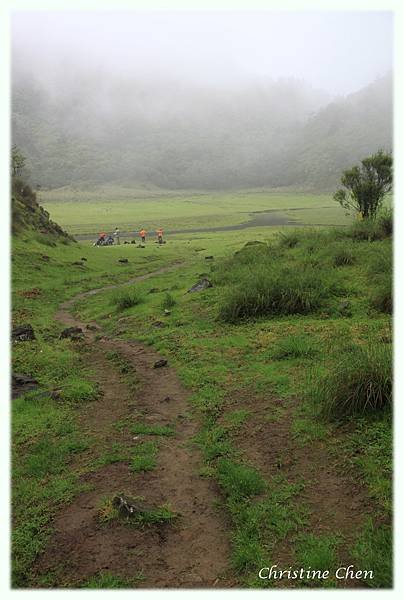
(202, 284)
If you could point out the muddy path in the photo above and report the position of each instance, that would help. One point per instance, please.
(190, 552)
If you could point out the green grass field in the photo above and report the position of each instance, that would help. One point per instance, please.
(261, 353)
(82, 212)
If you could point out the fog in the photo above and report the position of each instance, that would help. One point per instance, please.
(192, 99)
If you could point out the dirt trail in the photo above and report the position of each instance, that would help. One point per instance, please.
(191, 552)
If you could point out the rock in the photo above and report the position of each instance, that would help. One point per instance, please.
(133, 241)
(83, 258)
(208, 257)
(126, 242)
(153, 290)
(45, 257)
(23, 333)
(91, 327)
(72, 333)
(130, 507)
(159, 324)
(162, 362)
(202, 284)
(20, 384)
(167, 312)
(123, 260)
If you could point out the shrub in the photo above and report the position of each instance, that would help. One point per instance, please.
(277, 291)
(373, 229)
(126, 299)
(360, 383)
(366, 230)
(385, 222)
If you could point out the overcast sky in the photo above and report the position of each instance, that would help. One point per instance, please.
(339, 52)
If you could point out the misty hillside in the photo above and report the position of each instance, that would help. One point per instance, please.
(283, 133)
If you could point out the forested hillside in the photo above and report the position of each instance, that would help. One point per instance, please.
(283, 133)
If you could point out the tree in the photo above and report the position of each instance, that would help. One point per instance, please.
(17, 161)
(367, 184)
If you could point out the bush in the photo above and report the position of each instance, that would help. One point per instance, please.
(126, 299)
(385, 222)
(373, 229)
(277, 291)
(360, 383)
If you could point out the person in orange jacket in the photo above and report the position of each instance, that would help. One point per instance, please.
(142, 234)
(160, 235)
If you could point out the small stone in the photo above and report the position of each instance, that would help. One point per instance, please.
(72, 333)
(200, 285)
(123, 260)
(167, 312)
(159, 324)
(23, 333)
(162, 362)
(83, 258)
(130, 507)
(22, 383)
(208, 257)
(91, 327)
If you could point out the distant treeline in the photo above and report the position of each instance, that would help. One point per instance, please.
(281, 134)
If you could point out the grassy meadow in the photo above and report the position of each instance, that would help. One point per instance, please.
(288, 354)
(83, 212)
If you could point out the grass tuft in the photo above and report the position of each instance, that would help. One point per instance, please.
(360, 383)
(127, 298)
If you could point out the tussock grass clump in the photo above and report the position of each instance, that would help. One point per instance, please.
(277, 291)
(360, 383)
(344, 257)
(127, 298)
(381, 298)
(288, 239)
(380, 273)
(168, 301)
